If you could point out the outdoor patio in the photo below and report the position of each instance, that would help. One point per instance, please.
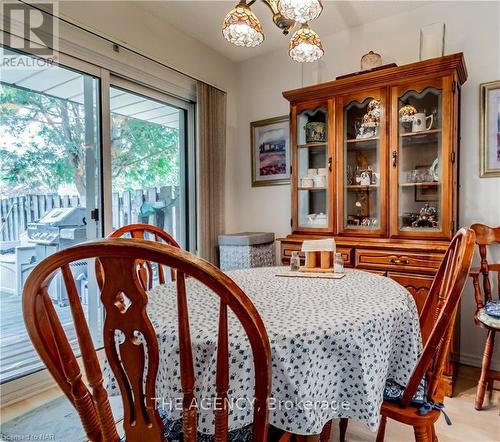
(16, 352)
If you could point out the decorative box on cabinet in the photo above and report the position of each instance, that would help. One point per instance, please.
(390, 190)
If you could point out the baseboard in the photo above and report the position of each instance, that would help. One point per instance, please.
(26, 387)
(475, 361)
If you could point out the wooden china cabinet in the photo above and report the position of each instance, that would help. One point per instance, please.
(374, 164)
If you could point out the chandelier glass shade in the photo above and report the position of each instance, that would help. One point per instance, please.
(305, 45)
(300, 11)
(242, 28)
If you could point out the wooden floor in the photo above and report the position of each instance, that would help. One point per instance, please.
(17, 355)
(469, 425)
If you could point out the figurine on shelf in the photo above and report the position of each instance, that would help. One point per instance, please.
(365, 179)
(315, 132)
(406, 116)
(427, 217)
(370, 122)
(374, 108)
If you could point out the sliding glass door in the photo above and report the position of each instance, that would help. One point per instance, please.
(49, 155)
(82, 152)
(148, 147)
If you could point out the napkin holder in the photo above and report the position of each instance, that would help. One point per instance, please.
(319, 255)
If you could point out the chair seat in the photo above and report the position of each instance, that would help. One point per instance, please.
(408, 415)
(394, 392)
(483, 315)
(492, 308)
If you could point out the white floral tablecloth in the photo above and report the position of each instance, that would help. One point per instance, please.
(334, 343)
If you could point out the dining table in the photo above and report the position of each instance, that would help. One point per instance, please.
(334, 344)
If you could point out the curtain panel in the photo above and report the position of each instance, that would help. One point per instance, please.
(211, 167)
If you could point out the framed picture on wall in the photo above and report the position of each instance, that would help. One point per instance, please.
(490, 129)
(270, 144)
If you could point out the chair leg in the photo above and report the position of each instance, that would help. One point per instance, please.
(433, 433)
(343, 428)
(422, 434)
(326, 432)
(485, 367)
(381, 429)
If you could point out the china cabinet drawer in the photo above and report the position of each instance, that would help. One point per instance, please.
(287, 249)
(409, 261)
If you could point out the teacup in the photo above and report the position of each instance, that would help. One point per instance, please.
(312, 172)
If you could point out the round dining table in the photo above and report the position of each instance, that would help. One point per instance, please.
(334, 342)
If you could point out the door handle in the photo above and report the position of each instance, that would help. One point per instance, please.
(394, 158)
(329, 164)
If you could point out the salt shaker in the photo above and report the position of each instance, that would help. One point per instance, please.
(338, 265)
(295, 262)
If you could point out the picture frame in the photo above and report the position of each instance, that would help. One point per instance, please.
(270, 151)
(489, 144)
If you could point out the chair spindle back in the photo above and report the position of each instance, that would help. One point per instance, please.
(438, 313)
(154, 233)
(487, 236)
(127, 359)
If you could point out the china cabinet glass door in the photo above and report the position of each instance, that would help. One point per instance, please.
(313, 163)
(363, 162)
(418, 161)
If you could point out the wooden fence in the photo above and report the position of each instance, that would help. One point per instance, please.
(156, 205)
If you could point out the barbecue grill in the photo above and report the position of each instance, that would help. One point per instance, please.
(58, 229)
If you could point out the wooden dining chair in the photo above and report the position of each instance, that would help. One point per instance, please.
(142, 422)
(436, 318)
(153, 233)
(485, 305)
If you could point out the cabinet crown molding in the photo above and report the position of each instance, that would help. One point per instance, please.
(410, 72)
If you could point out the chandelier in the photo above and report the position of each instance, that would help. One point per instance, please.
(242, 28)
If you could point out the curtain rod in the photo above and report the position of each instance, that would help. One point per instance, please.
(120, 45)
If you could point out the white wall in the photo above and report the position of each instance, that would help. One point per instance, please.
(471, 27)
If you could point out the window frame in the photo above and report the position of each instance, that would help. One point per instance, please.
(147, 85)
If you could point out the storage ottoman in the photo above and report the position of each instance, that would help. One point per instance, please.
(246, 249)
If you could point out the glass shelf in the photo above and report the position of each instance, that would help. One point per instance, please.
(428, 184)
(362, 140)
(362, 187)
(311, 145)
(312, 189)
